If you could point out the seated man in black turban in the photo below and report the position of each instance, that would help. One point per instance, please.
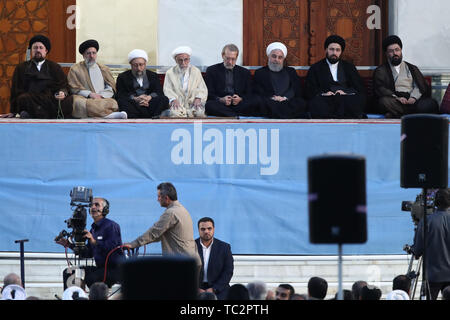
(39, 86)
(399, 87)
(333, 86)
(93, 86)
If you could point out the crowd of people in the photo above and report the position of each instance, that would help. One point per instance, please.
(333, 88)
(317, 289)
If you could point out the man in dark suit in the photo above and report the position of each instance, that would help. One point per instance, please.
(139, 91)
(279, 87)
(229, 87)
(334, 87)
(217, 260)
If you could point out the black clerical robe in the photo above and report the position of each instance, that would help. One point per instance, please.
(33, 91)
(319, 81)
(284, 83)
(128, 87)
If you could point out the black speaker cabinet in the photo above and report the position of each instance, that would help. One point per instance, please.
(160, 278)
(337, 199)
(424, 151)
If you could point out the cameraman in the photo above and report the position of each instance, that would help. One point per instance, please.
(103, 237)
(438, 244)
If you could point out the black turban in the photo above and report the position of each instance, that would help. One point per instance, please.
(88, 44)
(391, 40)
(335, 39)
(43, 39)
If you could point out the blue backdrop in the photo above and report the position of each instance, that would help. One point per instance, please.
(250, 177)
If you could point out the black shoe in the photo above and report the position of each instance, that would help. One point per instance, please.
(24, 115)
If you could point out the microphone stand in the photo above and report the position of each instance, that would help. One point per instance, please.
(425, 290)
(22, 260)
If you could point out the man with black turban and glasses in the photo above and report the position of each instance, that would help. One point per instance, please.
(399, 86)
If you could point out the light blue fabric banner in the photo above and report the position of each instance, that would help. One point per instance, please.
(251, 178)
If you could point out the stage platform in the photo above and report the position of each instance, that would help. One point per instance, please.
(250, 175)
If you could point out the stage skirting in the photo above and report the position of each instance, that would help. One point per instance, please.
(249, 176)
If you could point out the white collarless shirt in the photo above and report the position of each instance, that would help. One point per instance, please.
(39, 65)
(333, 70)
(206, 254)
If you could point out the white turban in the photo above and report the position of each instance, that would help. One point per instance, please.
(181, 50)
(68, 294)
(137, 53)
(397, 295)
(275, 46)
(19, 293)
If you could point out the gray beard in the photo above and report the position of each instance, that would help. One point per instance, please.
(89, 64)
(227, 67)
(183, 70)
(275, 67)
(137, 74)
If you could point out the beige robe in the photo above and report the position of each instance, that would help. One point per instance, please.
(196, 89)
(404, 81)
(79, 79)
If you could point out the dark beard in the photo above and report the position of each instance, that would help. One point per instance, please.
(396, 60)
(38, 59)
(333, 60)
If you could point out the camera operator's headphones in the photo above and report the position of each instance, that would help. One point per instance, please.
(105, 208)
(442, 198)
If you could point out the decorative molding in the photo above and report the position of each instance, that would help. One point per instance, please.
(282, 23)
(348, 19)
(314, 13)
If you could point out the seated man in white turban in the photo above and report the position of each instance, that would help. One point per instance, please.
(185, 87)
(139, 91)
(279, 87)
(93, 86)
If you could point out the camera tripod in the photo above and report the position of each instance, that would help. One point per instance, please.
(413, 274)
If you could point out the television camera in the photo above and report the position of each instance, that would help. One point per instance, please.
(417, 209)
(80, 199)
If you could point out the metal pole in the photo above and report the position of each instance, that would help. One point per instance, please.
(425, 294)
(340, 292)
(22, 260)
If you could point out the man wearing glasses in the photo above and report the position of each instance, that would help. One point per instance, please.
(92, 85)
(139, 91)
(229, 87)
(399, 87)
(185, 87)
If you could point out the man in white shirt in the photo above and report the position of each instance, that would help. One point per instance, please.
(334, 87)
(93, 86)
(217, 260)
